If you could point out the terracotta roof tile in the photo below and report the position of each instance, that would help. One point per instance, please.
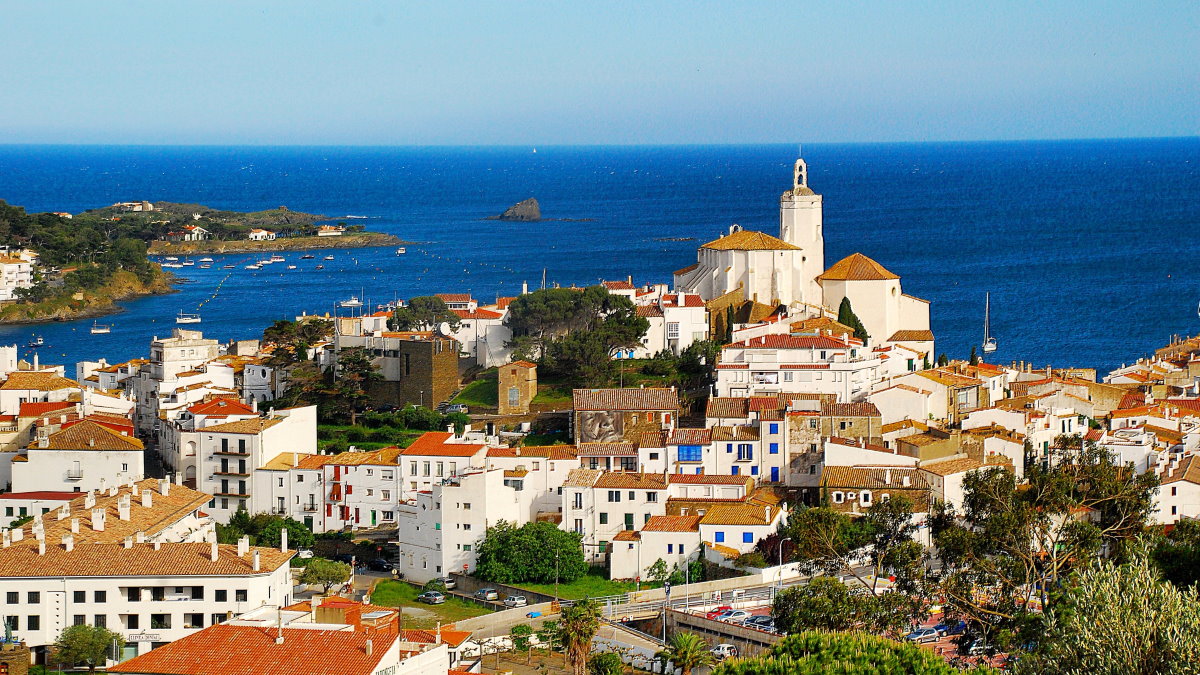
(89, 435)
(624, 449)
(683, 436)
(728, 407)
(791, 342)
(433, 443)
(626, 399)
(672, 524)
(749, 240)
(582, 478)
(37, 380)
(250, 426)
(632, 481)
(39, 408)
(911, 336)
(734, 433)
(849, 410)
(857, 267)
(710, 479)
(222, 406)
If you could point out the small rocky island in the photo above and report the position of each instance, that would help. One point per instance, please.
(527, 211)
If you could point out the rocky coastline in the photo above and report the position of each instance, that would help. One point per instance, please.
(215, 246)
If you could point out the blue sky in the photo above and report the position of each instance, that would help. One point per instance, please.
(407, 73)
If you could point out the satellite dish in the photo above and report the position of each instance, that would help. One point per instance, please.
(443, 328)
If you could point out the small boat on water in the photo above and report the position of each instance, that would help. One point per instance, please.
(291, 267)
(188, 262)
(401, 251)
(328, 257)
(172, 266)
(320, 267)
(100, 328)
(307, 256)
(989, 342)
(228, 267)
(353, 301)
(187, 318)
(254, 266)
(170, 258)
(205, 266)
(204, 260)
(277, 258)
(36, 341)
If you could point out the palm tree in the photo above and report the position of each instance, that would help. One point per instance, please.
(687, 651)
(577, 626)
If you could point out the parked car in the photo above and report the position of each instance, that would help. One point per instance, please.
(515, 601)
(724, 651)
(449, 583)
(977, 646)
(431, 598)
(487, 594)
(457, 408)
(717, 611)
(733, 615)
(304, 553)
(922, 635)
(761, 622)
(344, 558)
(951, 628)
(381, 565)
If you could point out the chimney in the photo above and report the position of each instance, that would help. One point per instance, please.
(243, 546)
(157, 544)
(89, 499)
(887, 476)
(212, 551)
(370, 647)
(41, 547)
(254, 405)
(767, 514)
(18, 534)
(122, 511)
(127, 542)
(164, 487)
(64, 511)
(257, 561)
(112, 491)
(283, 540)
(75, 526)
(147, 499)
(68, 541)
(5, 539)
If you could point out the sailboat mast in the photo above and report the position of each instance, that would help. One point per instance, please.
(987, 315)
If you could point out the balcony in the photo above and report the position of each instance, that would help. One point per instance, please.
(230, 453)
(220, 493)
(74, 474)
(231, 473)
(310, 507)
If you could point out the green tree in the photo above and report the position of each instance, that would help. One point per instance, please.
(577, 626)
(545, 317)
(1021, 540)
(687, 651)
(327, 573)
(356, 371)
(423, 313)
(299, 534)
(943, 361)
(658, 572)
(534, 552)
(1178, 554)
(1120, 620)
(85, 645)
(522, 639)
(848, 318)
(605, 663)
(818, 653)
(974, 358)
(823, 603)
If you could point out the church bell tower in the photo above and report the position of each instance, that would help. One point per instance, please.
(800, 225)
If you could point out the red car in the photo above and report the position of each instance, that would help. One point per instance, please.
(716, 611)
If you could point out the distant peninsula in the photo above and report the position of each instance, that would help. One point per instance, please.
(529, 211)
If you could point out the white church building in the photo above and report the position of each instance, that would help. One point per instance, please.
(789, 270)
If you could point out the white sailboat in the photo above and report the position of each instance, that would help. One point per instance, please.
(989, 342)
(100, 328)
(184, 317)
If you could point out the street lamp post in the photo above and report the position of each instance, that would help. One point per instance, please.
(780, 577)
(556, 577)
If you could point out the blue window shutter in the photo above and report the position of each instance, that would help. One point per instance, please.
(670, 548)
(729, 447)
(774, 427)
(754, 471)
(774, 448)
(720, 537)
(699, 470)
(774, 474)
(747, 538)
(735, 471)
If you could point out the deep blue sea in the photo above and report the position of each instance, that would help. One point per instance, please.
(1091, 249)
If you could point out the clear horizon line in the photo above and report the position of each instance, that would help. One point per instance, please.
(598, 145)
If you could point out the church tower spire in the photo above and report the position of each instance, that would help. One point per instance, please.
(800, 225)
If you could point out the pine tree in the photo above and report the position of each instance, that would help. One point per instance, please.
(974, 360)
(848, 318)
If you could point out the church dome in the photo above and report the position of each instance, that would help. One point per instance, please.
(857, 267)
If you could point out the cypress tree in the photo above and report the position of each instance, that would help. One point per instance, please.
(974, 356)
(848, 318)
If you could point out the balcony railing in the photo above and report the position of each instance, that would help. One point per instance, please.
(74, 474)
(231, 473)
(231, 452)
(310, 507)
(221, 493)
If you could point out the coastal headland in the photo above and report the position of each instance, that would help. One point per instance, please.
(218, 246)
(89, 303)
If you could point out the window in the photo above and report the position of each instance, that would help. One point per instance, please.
(133, 621)
(299, 478)
(629, 521)
(79, 596)
(652, 497)
(412, 468)
(614, 495)
(466, 547)
(719, 537)
(838, 497)
(1174, 491)
(135, 594)
(774, 448)
(197, 592)
(160, 621)
(865, 497)
(774, 427)
(78, 620)
(221, 595)
(670, 548)
(158, 594)
(672, 330)
(812, 424)
(577, 503)
(216, 618)
(240, 595)
(842, 425)
(369, 492)
(745, 452)
(654, 455)
(729, 447)
(33, 622)
(689, 453)
(425, 468)
(754, 471)
(747, 537)
(281, 482)
(370, 472)
(100, 620)
(14, 597)
(788, 375)
(242, 446)
(603, 518)
(734, 471)
(193, 621)
(386, 475)
(466, 506)
(35, 597)
(387, 494)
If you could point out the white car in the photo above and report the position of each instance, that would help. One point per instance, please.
(724, 651)
(304, 553)
(516, 601)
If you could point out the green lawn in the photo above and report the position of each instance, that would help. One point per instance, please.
(389, 593)
(553, 394)
(592, 585)
(480, 393)
(547, 439)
